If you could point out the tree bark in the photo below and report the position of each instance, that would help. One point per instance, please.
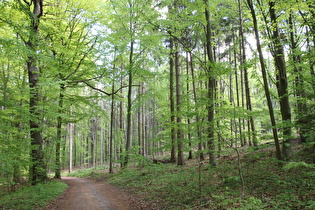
(247, 88)
(180, 137)
(121, 125)
(139, 121)
(59, 129)
(143, 126)
(172, 103)
(190, 156)
(111, 130)
(71, 133)
(37, 169)
(130, 80)
(211, 88)
(238, 126)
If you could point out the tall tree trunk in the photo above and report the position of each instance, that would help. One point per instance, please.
(180, 137)
(121, 125)
(299, 83)
(130, 80)
(246, 80)
(139, 121)
(102, 145)
(190, 156)
(264, 74)
(238, 126)
(198, 121)
(143, 126)
(59, 130)
(111, 130)
(71, 134)
(211, 88)
(172, 102)
(232, 103)
(282, 83)
(242, 120)
(37, 169)
(93, 133)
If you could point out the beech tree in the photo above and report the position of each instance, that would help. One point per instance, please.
(265, 80)
(282, 81)
(211, 86)
(34, 12)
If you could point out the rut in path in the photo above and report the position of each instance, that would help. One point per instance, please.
(85, 194)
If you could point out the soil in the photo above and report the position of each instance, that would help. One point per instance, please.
(93, 195)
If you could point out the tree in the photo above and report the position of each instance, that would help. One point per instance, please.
(172, 103)
(211, 86)
(265, 81)
(71, 49)
(34, 10)
(282, 82)
(243, 63)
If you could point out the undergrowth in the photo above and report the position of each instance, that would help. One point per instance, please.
(269, 184)
(33, 197)
(97, 171)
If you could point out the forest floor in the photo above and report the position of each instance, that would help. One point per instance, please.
(253, 180)
(85, 193)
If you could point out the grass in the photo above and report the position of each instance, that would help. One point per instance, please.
(268, 183)
(33, 197)
(96, 171)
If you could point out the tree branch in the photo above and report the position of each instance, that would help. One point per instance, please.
(102, 91)
(82, 59)
(94, 88)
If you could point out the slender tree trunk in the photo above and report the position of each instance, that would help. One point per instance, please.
(139, 121)
(111, 130)
(211, 88)
(190, 156)
(130, 80)
(93, 131)
(102, 145)
(59, 129)
(299, 83)
(198, 121)
(247, 89)
(92, 142)
(121, 125)
(143, 126)
(242, 120)
(238, 126)
(180, 137)
(71, 134)
(264, 74)
(172, 102)
(232, 103)
(282, 83)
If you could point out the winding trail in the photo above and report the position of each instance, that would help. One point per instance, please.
(85, 194)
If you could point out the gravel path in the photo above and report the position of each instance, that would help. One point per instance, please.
(85, 194)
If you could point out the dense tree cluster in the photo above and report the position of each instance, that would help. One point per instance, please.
(86, 83)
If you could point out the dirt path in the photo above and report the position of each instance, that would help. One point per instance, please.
(85, 194)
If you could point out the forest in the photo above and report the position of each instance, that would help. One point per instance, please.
(120, 83)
